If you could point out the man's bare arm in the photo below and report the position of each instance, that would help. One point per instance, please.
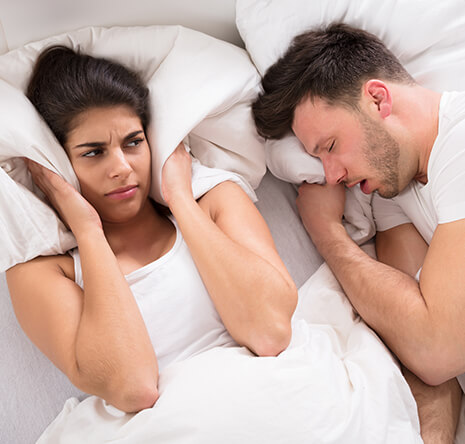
(418, 326)
(402, 247)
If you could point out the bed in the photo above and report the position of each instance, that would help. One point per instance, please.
(233, 408)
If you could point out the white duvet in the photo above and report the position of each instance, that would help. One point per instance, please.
(336, 383)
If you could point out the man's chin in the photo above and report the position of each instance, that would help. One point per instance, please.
(387, 194)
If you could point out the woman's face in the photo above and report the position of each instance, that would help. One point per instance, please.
(111, 158)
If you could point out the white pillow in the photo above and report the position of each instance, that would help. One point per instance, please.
(200, 92)
(198, 85)
(428, 36)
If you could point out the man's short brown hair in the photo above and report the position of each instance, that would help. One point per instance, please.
(331, 63)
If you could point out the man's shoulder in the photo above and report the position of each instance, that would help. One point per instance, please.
(449, 146)
(452, 106)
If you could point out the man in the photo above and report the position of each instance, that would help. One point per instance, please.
(352, 104)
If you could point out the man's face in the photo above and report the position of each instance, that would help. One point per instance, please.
(353, 148)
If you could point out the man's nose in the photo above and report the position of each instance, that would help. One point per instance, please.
(335, 173)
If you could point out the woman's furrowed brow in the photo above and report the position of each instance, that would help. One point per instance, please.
(89, 144)
(100, 144)
(133, 134)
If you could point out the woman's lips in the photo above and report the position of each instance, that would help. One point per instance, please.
(123, 193)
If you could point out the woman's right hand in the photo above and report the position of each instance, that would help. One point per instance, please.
(74, 210)
(177, 176)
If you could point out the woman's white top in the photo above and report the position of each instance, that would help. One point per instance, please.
(173, 300)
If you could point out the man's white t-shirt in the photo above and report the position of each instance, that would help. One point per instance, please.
(442, 199)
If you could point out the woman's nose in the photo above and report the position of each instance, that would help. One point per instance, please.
(335, 173)
(119, 165)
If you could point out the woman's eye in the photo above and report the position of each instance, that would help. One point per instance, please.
(134, 142)
(331, 147)
(92, 153)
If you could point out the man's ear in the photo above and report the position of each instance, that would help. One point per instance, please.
(379, 96)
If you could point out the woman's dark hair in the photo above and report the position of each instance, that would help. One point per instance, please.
(65, 83)
(330, 63)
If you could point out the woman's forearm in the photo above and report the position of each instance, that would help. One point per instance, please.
(114, 355)
(252, 297)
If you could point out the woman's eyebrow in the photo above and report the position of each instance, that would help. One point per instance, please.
(133, 134)
(100, 144)
(89, 144)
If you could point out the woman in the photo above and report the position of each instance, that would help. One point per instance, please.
(142, 289)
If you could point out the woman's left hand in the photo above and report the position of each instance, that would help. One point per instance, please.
(177, 175)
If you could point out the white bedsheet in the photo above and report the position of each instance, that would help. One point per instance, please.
(336, 383)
